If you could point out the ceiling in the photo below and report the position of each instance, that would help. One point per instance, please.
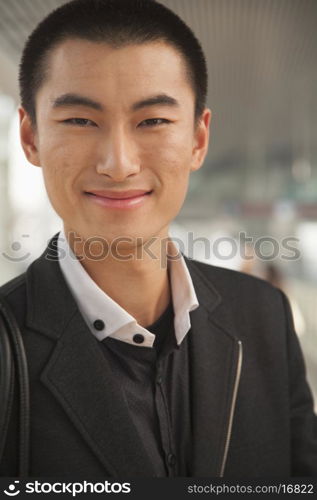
(262, 60)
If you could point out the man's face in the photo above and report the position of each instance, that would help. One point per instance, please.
(120, 146)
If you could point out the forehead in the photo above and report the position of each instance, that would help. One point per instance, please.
(77, 65)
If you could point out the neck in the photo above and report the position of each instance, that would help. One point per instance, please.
(140, 284)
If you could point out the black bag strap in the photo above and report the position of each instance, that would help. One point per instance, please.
(6, 383)
(14, 366)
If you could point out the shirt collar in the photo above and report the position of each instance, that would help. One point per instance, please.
(94, 303)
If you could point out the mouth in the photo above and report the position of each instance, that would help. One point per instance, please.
(119, 199)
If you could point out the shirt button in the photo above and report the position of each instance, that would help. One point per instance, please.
(99, 324)
(159, 379)
(138, 338)
(171, 459)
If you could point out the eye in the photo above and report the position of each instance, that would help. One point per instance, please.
(152, 122)
(81, 122)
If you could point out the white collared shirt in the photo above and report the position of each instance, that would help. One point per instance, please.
(94, 304)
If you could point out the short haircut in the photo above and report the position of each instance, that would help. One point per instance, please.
(117, 23)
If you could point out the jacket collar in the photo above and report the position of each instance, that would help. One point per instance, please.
(97, 409)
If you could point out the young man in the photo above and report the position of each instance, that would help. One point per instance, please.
(141, 361)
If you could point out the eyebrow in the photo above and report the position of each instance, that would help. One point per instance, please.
(70, 99)
(162, 99)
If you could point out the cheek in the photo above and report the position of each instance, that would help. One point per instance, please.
(173, 175)
(172, 161)
(174, 139)
(62, 162)
(58, 147)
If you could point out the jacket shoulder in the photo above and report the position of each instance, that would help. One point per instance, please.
(14, 293)
(228, 281)
(10, 286)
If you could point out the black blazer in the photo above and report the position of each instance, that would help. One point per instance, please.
(252, 410)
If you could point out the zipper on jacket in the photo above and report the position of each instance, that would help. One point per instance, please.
(233, 403)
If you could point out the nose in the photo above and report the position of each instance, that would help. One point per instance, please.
(119, 158)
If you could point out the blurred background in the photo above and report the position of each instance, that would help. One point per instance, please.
(253, 205)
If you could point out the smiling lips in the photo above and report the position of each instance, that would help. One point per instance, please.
(119, 199)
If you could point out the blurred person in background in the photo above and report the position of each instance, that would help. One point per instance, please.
(271, 272)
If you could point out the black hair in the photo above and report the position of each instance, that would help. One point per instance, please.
(115, 22)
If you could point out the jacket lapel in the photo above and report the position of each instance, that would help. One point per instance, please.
(78, 375)
(215, 355)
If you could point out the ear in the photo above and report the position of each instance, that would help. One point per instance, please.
(28, 137)
(201, 140)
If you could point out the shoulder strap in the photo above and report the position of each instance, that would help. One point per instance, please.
(6, 383)
(14, 362)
